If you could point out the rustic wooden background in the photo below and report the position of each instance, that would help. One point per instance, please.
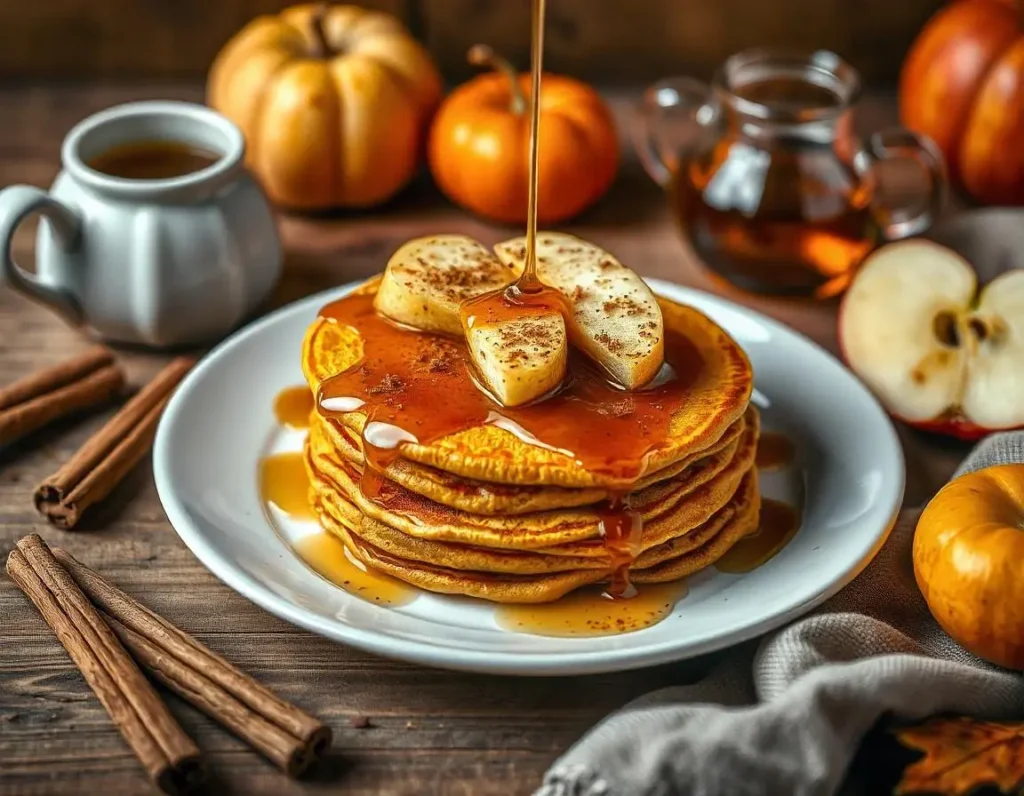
(611, 41)
(431, 731)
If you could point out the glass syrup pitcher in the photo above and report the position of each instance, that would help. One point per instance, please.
(767, 178)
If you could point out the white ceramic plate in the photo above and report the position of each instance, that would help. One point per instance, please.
(848, 475)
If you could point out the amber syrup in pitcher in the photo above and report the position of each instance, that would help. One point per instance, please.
(777, 206)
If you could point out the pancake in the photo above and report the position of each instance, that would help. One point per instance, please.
(481, 497)
(506, 588)
(668, 508)
(335, 510)
(717, 393)
(712, 550)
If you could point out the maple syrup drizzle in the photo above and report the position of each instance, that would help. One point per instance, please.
(778, 524)
(284, 483)
(293, 405)
(774, 451)
(621, 527)
(528, 281)
(328, 556)
(591, 612)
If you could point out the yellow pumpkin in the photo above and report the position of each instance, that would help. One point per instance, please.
(334, 102)
(969, 562)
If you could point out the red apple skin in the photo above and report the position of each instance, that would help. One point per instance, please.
(954, 425)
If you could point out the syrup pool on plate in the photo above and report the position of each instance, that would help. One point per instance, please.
(293, 406)
(590, 611)
(778, 524)
(329, 557)
(774, 451)
(284, 484)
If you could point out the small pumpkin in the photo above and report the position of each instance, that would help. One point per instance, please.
(480, 143)
(334, 103)
(962, 84)
(969, 562)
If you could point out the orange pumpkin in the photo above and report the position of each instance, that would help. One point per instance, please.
(334, 103)
(480, 143)
(962, 84)
(969, 562)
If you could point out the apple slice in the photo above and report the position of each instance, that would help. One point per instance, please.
(427, 280)
(937, 353)
(520, 359)
(615, 318)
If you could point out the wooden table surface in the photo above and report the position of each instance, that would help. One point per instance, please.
(430, 731)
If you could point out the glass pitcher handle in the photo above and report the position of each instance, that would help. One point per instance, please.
(669, 110)
(900, 144)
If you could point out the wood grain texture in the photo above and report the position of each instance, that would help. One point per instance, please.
(129, 38)
(621, 42)
(605, 40)
(432, 732)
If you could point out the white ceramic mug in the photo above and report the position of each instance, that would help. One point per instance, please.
(162, 262)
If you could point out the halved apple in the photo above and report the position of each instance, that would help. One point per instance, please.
(938, 353)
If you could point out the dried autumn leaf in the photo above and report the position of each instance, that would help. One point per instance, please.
(961, 755)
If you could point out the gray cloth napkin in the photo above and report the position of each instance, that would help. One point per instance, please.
(786, 716)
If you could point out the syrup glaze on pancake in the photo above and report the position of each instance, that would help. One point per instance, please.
(419, 388)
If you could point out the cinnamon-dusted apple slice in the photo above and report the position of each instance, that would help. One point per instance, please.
(939, 354)
(519, 357)
(614, 317)
(427, 280)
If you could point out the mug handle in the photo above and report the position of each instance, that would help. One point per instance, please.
(16, 203)
(671, 100)
(900, 144)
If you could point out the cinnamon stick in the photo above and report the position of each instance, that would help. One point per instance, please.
(100, 464)
(287, 736)
(40, 398)
(169, 756)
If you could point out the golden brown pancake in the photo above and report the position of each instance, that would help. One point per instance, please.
(508, 588)
(711, 551)
(668, 508)
(330, 437)
(717, 397)
(481, 511)
(335, 510)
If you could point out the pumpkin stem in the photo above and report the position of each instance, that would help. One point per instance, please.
(322, 47)
(482, 55)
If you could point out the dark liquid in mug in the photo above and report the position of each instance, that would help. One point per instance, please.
(785, 217)
(153, 160)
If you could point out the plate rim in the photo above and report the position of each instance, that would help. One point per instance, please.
(490, 662)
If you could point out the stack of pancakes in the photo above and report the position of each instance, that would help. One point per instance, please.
(484, 513)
